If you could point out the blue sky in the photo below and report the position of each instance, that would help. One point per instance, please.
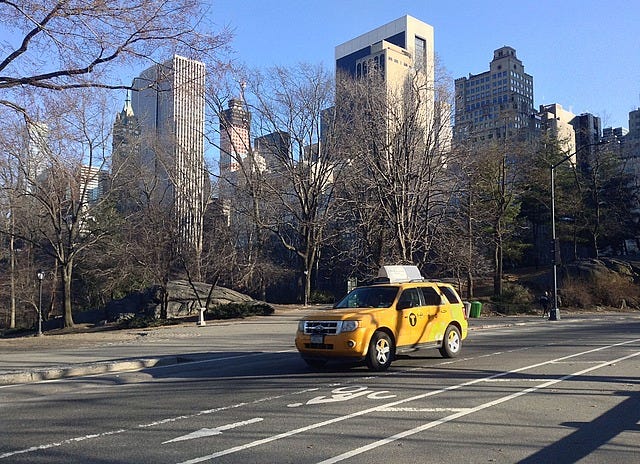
(582, 54)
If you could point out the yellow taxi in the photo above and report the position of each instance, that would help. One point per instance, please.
(403, 313)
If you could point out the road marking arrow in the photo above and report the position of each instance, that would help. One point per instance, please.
(210, 432)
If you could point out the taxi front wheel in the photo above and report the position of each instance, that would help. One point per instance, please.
(452, 342)
(380, 352)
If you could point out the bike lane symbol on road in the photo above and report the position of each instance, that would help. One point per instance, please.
(346, 394)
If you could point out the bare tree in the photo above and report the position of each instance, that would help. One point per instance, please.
(74, 46)
(9, 204)
(69, 44)
(399, 143)
(286, 183)
(59, 181)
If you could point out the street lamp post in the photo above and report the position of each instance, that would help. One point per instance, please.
(554, 312)
(40, 276)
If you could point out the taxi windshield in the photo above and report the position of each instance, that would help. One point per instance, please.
(369, 297)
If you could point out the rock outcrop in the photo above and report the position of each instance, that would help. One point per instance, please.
(183, 299)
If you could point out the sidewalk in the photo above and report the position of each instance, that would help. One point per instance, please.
(55, 356)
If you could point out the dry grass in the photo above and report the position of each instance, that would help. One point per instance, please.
(612, 290)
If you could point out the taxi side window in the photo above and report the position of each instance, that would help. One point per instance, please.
(450, 294)
(431, 297)
(410, 298)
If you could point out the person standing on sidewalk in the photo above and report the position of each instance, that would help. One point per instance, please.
(544, 303)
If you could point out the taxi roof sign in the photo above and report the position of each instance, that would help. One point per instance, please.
(396, 274)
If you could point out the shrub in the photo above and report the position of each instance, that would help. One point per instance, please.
(141, 322)
(604, 290)
(514, 298)
(240, 310)
(513, 293)
(321, 297)
(575, 293)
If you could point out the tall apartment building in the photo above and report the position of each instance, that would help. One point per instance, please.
(36, 148)
(126, 137)
(271, 148)
(588, 129)
(403, 44)
(614, 133)
(557, 123)
(632, 138)
(169, 103)
(92, 185)
(398, 50)
(616, 138)
(631, 146)
(494, 104)
(235, 146)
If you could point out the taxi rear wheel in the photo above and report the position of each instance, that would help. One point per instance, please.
(452, 342)
(380, 352)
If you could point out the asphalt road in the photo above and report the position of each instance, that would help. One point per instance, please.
(542, 392)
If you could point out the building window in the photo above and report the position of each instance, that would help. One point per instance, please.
(420, 57)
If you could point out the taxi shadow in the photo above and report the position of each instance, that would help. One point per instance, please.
(589, 436)
(249, 364)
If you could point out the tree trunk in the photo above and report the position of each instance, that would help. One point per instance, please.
(67, 271)
(470, 260)
(497, 262)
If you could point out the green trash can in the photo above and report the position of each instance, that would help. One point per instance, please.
(476, 309)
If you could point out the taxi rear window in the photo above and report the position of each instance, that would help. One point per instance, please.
(451, 295)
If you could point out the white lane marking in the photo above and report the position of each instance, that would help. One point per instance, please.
(347, 394)
(363, 412)
(430, 425)
(210, 432)
(517, 380)
(151, 424)
(424, 409)
(577, 362)
(59, 443)
(190, 416)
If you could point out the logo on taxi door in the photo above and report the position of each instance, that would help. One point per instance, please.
(413, 319)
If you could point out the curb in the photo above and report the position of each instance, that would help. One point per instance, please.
(137, 364)
(102, 367)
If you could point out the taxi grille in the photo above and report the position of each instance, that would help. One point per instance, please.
(321, 327)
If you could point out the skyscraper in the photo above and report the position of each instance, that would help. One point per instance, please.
(37, 154)
(394, 48)
(273, 149)
(235, 139)
(401, 55)
(494, 104)
(169, 104)
(126, 135)
(235, 146)
(557, 123)
(632, 138)
(588, 129)
(631, 150)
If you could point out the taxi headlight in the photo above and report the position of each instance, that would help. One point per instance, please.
(349, 326)
(301, 326)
